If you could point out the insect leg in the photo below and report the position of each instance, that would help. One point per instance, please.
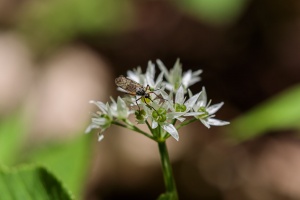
(136, 100)
(149, 105)
(148, 88)
(152, 92)
(145, 103)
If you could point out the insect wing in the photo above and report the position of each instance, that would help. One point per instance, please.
(127, 84)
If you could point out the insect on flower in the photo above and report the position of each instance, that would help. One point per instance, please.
(133, 88)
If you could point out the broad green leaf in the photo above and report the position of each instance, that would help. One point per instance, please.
(214, 11)
(31, 183)
(280, 112)
(69, 161)
(12, 132)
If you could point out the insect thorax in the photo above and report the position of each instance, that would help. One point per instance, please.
(140, 91)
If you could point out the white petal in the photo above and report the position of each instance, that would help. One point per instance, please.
(172, 115)
(168, 104)
(162, 68)
(133, 76)
(197, 73)
(90, 127)
(194, 80)
(121, 90)
(100, 137)
(193, 113)
(177, 69)
(154, 124)
(191, 102)
(205, 123)
(172, 130)
(179, 97)
(187, 76)
(202, 98)
(164, 94)
(113, 100)
(92, 101)
(217, 122)
(214, 108)
(100, 105)
(181, 119)
(122, 108)
(190, 93)
(169, 87)
(99, 121)
(150, 70)
(150, 74)
(159, 80)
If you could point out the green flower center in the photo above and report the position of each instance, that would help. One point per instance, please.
(140, 114)
(204, 115)
(160, 115)
(105, 116)
(107, 122)
(179, 108)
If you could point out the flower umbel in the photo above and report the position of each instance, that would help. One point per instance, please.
(153, 105)
(162, 104)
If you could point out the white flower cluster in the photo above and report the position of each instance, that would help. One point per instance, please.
(168, 107)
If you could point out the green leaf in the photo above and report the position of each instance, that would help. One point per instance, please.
(31, 183)
(12, 132)
(280, 112)
(214, 11)
(69, 161)
(167, 196)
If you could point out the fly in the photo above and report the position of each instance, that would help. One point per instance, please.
(134, 88)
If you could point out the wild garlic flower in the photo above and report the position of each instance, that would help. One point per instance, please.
(208, 111)
(175, 78)
(148, 78)
(107, 115)
(180, 106)
(101, 119)
(160, 103)
(161, 117)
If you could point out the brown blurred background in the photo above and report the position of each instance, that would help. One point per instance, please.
(57, 55)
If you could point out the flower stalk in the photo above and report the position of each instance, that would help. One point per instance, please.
(167, 170)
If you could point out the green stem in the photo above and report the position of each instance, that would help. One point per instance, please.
(167, 170)
(149, 127)
(134, 128)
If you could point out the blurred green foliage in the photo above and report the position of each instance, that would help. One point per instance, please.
(68, 160)
(51, 23)
(278, 113)
(166, 196)
(12, 133)
(30, 183)
(216, 12)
